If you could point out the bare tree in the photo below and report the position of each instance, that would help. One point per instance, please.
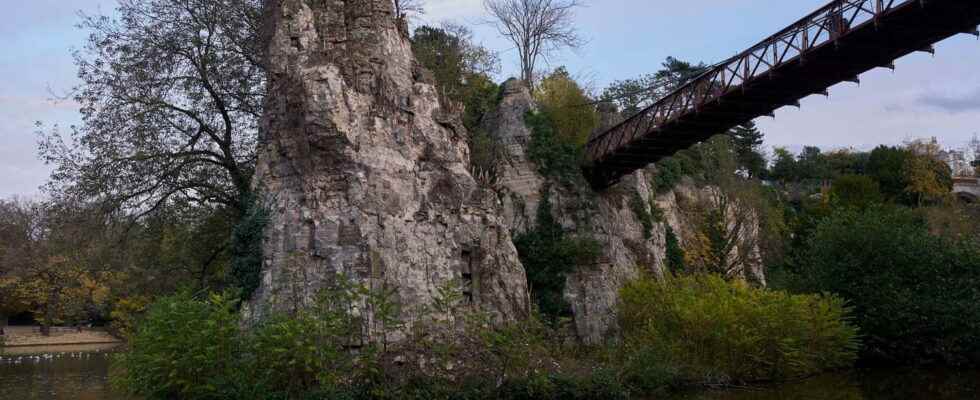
(537, 28)
(407, 8)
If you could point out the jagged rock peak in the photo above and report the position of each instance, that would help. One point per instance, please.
(365, 175)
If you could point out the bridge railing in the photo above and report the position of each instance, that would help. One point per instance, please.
(822, 27)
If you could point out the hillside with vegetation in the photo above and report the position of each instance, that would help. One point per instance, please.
(282, 216)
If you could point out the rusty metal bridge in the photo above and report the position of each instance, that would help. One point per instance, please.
(834, 44)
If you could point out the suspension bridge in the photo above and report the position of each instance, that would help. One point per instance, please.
(834, 44)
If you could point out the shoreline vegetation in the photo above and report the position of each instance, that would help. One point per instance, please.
(154, 225)
(678, 333)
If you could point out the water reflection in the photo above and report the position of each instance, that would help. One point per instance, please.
(77, 373)
(877, 384)
(81, 373)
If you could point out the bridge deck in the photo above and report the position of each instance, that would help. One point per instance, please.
(834, 44)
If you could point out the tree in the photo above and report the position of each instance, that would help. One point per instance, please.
(537, 28)
(914, 294)
(53, 266)
(887, 165)
(462, 69)
(633, 95)
(171, 98)
(747, 141)
(562, 99)
(676, 73)
(407, 8)
(859, 191)
(928, 178)
(784, 168)
(726, 235)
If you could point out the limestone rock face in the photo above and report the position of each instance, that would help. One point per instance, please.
(629, 248)
(365, 176)
(518, 179)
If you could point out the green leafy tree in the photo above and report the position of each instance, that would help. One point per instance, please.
(887, 166)
(928, 178)
(565, 103)
(915, 294)
(633, 95)
(784, 167)
(462, 69)
(171, 95)
(857, 191)
(554, 157)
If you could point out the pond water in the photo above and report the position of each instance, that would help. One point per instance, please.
(863, 384)
(81, 373)
(56, 373)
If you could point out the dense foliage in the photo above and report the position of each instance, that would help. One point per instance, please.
(548, 254)
(555, 158)
(310, 355)
(462, 70)
(916, 295)
(567, 107)
(247, 237)
(193, 347)
(701, 328)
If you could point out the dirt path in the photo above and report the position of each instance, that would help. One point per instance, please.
(31, 336)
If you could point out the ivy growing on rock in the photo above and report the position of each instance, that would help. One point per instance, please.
(555, 158)
(549, 254)
(642, 214)
(246, 265)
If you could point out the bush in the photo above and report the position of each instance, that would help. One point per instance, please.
(184, 348)
(554, 158)
(916, 296)
(548, 255)
(125, 314)
(857, 191)
(703, 329)
(567, 107)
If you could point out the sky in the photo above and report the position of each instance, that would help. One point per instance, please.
(926, 96)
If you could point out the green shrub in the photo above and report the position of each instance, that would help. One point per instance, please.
(548, 255)
(674, 254)
(640, 211)
(670, 171)
(184, 348)
(555, 158)
(565, 104)
(859, 191)
(916, 296)
(703, 329)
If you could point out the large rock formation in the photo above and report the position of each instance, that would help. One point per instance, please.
(630, 245)
(365, 175)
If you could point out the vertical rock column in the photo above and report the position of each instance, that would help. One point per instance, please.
(365, 176)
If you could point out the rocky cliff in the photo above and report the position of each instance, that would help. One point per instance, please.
(366, 177)
(364, 174)
(620, 218)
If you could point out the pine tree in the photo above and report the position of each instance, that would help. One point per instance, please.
(748, 140)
